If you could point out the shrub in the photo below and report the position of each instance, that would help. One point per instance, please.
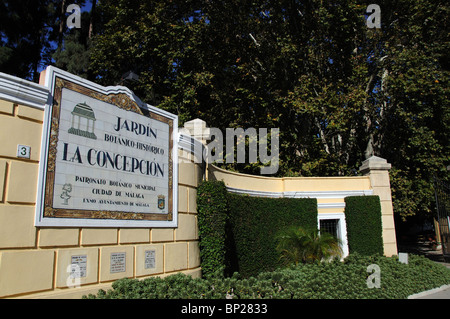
(307, 245)
(334, 280)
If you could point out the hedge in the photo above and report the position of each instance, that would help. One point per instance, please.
(236, 232)
(364, 228)
(254, 223)
(212, 217)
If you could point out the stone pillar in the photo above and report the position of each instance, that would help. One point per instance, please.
(197, 129)
(377, 169)
(199, 132)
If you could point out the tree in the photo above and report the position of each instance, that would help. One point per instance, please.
(73, 54)
(145, 37)
(74, 45)
(26, 31)
(409, 110)
(34, 34)
(338, 90)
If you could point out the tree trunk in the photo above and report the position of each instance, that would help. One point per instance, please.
(369, 147)
(62, 21)
(92, 19)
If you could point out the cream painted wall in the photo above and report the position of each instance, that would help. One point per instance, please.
(34, 260)
(329, 192)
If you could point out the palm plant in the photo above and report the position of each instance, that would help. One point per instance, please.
(307, 245)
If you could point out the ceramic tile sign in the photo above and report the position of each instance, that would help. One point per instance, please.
(117, 262)
(110, 160)
(150, 259)
(78, 266)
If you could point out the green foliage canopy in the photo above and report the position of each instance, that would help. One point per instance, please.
(338, 90)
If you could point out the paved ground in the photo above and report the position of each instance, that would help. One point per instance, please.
(438, 293)
(425, 248)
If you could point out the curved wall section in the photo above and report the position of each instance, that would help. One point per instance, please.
(330, 193)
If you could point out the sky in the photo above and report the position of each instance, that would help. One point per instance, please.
(87, 6)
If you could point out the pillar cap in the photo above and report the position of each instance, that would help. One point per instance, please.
(197, 129)
(374, 163)
(195, 123)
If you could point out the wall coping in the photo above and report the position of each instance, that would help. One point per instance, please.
(301, 194)
(216, 168)
(23, 92)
